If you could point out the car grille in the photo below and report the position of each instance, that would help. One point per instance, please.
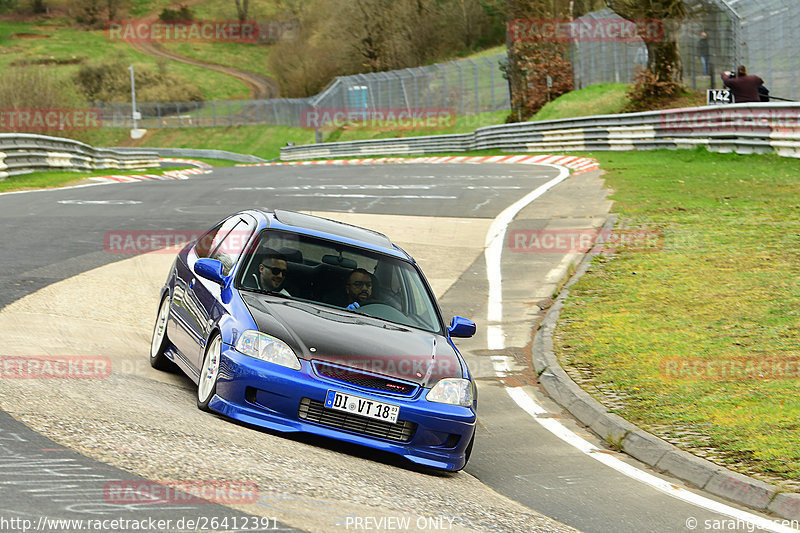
(364, 379)
(314, 411)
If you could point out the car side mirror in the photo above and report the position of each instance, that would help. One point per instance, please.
(211, 269)
(461, 327)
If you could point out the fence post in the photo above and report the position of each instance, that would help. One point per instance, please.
(477, 93)
(444, 84)
(491, 84)
(460, 88)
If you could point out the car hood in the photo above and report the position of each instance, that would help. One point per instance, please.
(318, 333)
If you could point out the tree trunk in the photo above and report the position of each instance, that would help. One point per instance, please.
(242, 7)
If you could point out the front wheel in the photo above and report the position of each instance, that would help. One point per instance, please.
(160, 340)
(207, 386)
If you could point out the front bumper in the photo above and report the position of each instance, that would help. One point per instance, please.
(271, 396)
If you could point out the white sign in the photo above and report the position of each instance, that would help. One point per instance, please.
(719, 96)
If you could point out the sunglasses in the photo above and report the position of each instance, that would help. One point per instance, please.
(275, 270)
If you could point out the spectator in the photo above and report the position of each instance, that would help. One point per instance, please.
(702, 51)
(743, 86)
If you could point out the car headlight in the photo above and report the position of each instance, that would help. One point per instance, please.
(267, 348)
(455, 391)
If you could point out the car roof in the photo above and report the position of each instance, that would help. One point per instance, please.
(331, 229)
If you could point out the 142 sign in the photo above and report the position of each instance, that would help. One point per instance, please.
(719, 96)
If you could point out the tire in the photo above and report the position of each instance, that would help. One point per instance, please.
(160, 341)
(209, 371)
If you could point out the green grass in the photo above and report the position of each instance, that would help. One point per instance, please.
(261, 141)
(606, 99)
(264, 141)
(601, 99)
(243, 56)
(725, 288)
(461, 124)
(63, 43)
(59, 41)
(63, 178)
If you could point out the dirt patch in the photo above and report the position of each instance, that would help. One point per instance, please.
(28, 36)
(73, 60)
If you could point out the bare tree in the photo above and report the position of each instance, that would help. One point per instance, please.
(538, 69)
(242, 8)
(114, 7)
(664, 59)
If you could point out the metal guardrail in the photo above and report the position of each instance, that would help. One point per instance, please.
(195, 153)
(741, 128)
(22, 153)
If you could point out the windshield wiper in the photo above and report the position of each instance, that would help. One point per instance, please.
(269, 293)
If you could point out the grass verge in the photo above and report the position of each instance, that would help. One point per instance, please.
(58, 178)
(266, 141)
(698, 338)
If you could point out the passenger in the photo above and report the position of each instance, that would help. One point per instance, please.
(272, 273)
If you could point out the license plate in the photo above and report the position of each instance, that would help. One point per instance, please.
(361, 406)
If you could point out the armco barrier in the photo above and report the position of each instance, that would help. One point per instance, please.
(741, 128)
(196, 152)
(21, 153)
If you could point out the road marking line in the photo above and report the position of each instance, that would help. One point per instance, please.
(496, 341)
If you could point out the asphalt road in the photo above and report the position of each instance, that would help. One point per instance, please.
(54, 235)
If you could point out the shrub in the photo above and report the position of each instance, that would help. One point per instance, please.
(182, 14)
(36, 88)
(544, 74)
(648, 92)
(110, 81)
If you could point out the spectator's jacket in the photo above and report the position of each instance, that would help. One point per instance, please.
(744, 88)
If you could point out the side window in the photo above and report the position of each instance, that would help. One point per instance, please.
(226, 241)
(210, 242)
(419, 301)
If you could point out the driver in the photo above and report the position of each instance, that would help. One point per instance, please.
(272, 272)
(358, 288)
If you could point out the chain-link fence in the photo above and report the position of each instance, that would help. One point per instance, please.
(275, 112)
(767, 42)
(604, 60)
(717, 35)
(464, 87)
(467, 87)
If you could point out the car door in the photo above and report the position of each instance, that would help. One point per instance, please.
(204, 305)
(182, 327)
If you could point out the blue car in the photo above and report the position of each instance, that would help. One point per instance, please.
(297, 323)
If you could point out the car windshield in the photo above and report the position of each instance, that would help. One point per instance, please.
(339, 275)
